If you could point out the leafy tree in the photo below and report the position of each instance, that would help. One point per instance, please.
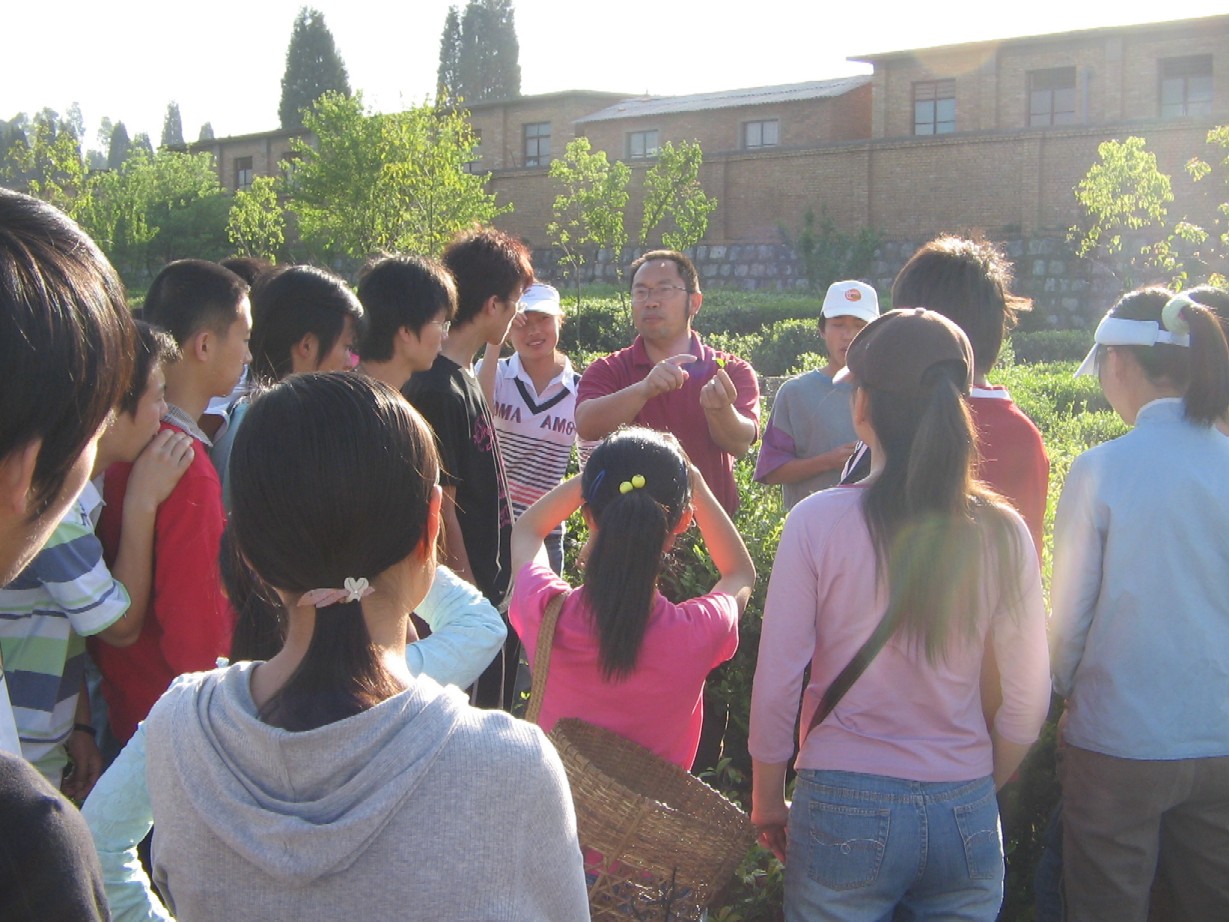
(46, 162)
(172, 126)
(1125, 194)
(448, 79)
(206, 132)
(672, 189)
(256, 224)
(374, 182)
(589, 212)
(96, 157)
(12, 132)
(75, 121)
(142, 142)
(313, 67)
(119, 148)
(1199, 170)
(828, 255)
(480, 56)
(155, 208)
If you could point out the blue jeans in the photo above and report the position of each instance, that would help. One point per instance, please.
(868, 847)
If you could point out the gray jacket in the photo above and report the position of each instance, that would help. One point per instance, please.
(420, 808)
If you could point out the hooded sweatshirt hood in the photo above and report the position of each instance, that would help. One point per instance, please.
(266, 792)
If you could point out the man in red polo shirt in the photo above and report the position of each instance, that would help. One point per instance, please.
(668, 380)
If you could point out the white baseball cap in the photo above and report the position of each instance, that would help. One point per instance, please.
(851, 299)
(541, 298)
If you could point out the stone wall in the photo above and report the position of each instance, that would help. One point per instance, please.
(1067, 292)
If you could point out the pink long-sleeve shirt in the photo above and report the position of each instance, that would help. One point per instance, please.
(904, 717)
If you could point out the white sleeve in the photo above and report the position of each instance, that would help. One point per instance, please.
(119, 815)
(1078, 559)
(466, 632)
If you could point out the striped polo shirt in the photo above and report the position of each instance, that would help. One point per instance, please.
(64, 595)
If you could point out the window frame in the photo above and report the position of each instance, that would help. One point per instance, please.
(934, 92)
(758, 126)
(244, 173)
(646, 152)
(1179, 71)
(532, 134)
(1047, 83)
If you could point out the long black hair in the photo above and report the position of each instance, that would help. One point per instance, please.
(333, 477)
(930, 519)
(636, 486)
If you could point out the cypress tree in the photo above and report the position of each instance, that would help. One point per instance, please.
(117, 151)
(448, 78)
(172, 126)
(313, 67)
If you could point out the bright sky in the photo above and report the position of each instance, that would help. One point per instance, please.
(222, 60)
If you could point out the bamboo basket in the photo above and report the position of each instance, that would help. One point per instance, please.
(659, 843)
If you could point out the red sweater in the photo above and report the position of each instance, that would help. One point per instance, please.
(1013, 458)
(189, 621)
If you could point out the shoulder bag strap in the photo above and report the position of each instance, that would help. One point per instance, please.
(853, 669)
(546, 639)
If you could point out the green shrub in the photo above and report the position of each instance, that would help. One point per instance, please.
(1051, 345)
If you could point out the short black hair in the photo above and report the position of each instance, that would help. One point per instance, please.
(401, 291)
(290, 303)
(687, 269)
(969, 282)
(485, 263)
(190, 295)
(66, 339)
(154, 347)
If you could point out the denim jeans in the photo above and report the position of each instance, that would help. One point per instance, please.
(868, 847)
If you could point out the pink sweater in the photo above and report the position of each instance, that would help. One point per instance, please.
(660, 705)
(904, 717)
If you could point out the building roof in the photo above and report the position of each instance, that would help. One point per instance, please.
(1070, 35)
(726, 99)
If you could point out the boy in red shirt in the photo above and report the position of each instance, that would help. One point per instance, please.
(189, 621)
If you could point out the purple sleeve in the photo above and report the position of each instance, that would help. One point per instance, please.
(1021, 649)
(787, 646)
(776, 447)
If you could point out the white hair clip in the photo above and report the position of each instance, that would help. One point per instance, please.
(353, 591)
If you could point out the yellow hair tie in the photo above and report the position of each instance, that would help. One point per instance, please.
(636, 483)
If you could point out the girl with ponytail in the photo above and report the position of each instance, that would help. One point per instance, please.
(907, 573)
(623, 657)
(1140, 624)
(309, 786)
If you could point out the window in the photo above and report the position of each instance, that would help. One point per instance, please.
(537, 144)
(642, 145)
(1186, 86)
(765, 133)
(243, 173)
(934, 107)
(472, 166)
(1051, 97)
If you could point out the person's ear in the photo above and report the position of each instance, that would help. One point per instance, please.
(16, 478)
(434, 517)
(307, 350)
(200, 345)
(860, 407)
(685, 520)
(694, 300)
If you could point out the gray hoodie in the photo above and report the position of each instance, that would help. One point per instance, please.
(419, 808)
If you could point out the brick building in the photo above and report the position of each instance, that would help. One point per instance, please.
(991, 135)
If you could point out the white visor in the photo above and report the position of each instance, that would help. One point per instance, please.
(1118, 331)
